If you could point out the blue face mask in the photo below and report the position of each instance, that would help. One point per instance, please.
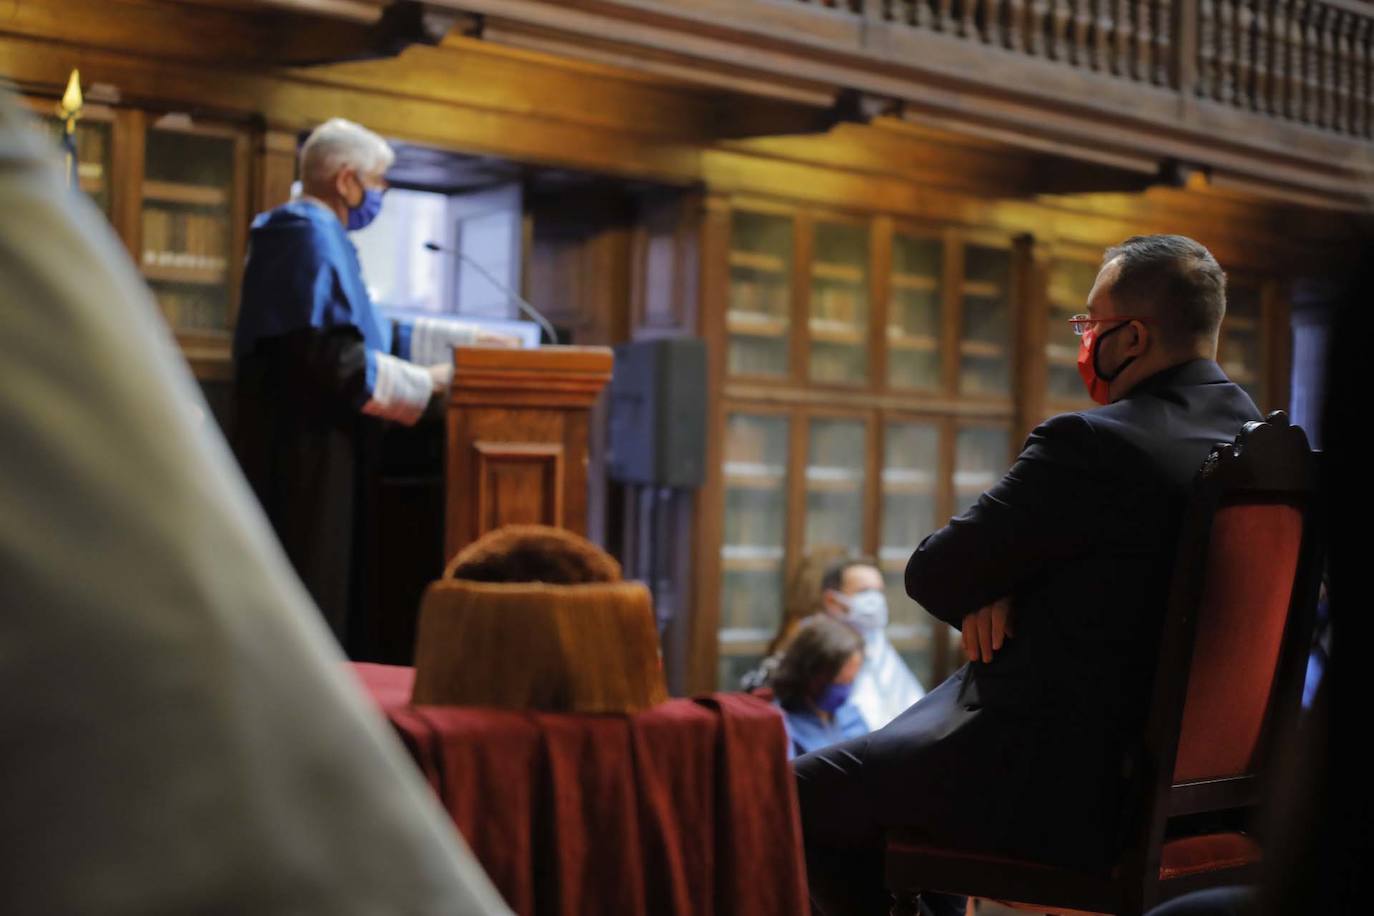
(833, 697)
(366, 211)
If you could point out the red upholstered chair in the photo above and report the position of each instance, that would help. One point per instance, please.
(1236, 637)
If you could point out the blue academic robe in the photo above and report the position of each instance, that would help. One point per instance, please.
(807, 732)
(306, 348)
(303, 272)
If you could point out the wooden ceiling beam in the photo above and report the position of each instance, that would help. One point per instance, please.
(960, 85)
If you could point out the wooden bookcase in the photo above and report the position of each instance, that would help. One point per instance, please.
(176, 190)
(868, 372)
(878, 375)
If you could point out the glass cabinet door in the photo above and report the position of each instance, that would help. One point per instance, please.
(911, 469)
(835, 467)
(758, 316)
(913, 327)
(838, 317)
(985, 338)
(1070, 284)
(980, 460)
(188, 188)
(753, 547)
(1239, 350)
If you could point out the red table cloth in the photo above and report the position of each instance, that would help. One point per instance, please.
(686, 808)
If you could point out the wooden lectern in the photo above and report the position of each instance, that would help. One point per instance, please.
(517, 439)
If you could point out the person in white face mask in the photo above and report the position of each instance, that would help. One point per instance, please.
(852, 590)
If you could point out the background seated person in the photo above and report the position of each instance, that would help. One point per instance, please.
(813, 682)
(850, 588)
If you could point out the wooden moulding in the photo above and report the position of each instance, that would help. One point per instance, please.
(548, 376)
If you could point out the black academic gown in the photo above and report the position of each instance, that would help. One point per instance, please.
(308, 454)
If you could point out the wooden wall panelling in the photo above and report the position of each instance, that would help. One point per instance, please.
(241, 215)
(276, 168)
(664, 278)
(303, 98)
(1239, 231)
(709, 502)
(580, 276)
(664, 272)
(126, 165)
(1276, 313)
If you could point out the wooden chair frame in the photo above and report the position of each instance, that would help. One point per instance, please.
(1270, 462)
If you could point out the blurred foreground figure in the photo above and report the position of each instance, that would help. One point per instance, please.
(177, 731)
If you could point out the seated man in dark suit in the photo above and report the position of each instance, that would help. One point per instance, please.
(1057, 577)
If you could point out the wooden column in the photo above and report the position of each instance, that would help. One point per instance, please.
(518, 439)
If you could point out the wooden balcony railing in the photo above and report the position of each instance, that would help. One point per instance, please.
(1305, 61)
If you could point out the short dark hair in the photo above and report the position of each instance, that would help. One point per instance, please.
(833, 580)
(819, 648)
(534, 553)
(1172, 279)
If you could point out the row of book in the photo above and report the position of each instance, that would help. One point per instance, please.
(917, 312)
(757, 356)
(185, 238)
(845, 365)
(833, 518)
(194, 309)
(918, 369)
(838, 303)
(760, 296)
(981, 376)
(752, 601)
(754, 518)
(756, 440)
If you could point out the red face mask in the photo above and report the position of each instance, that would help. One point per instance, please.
(1097, 382)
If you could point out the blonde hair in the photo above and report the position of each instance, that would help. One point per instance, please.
(339, 144)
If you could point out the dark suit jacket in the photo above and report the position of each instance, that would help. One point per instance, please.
(1081, 535)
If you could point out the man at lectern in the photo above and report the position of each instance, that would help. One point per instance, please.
(317, 366)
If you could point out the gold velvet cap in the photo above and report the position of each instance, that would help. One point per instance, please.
(586, 643)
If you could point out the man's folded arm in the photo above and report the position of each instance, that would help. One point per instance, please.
(1041, 513)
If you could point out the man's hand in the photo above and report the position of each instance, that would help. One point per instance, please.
(440, 376)
(487, 338)
(985, 630)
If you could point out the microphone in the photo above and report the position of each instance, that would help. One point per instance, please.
(510, 294)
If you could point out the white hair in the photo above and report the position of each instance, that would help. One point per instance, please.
(338, 144)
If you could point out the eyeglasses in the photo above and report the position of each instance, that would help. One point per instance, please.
(1081, 323)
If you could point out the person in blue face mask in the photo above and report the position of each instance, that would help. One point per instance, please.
(317, 367)
(813, 682)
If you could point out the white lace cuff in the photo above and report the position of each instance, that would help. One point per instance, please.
(400, 392)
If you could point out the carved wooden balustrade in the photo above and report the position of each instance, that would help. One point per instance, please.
(1306, 61)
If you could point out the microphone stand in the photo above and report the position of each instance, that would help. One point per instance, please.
(510, 294)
